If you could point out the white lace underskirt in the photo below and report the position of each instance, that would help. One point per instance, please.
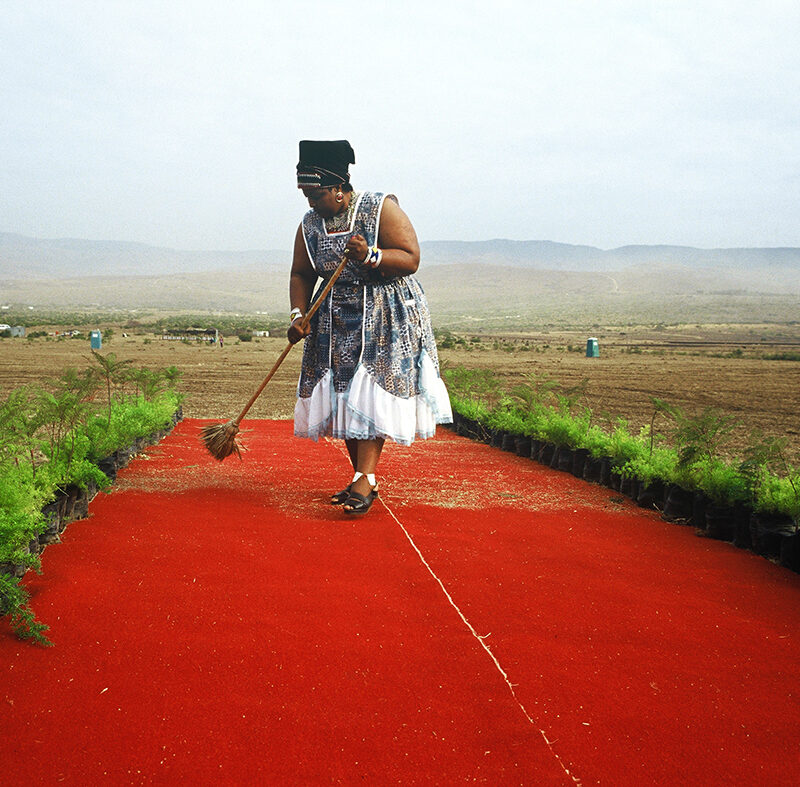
(367, 411)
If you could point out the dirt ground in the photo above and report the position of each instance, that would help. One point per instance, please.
(691, 366)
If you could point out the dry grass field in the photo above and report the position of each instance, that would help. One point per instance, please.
(690, 366)
(694, 368)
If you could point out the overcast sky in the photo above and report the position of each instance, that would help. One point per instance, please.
(605, 123)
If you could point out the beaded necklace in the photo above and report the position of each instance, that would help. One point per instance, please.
(341, 221)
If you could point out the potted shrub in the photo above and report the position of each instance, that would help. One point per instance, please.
(773, 523)
(651, 468)
(725, 487)
(508, 423)
(774, 498)
(698, 440)
(622, 447)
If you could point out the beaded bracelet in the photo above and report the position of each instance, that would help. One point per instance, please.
(374, 257)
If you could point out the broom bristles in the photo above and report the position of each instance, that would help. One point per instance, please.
(220, 440)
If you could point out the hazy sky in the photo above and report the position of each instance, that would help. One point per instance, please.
(604, 123)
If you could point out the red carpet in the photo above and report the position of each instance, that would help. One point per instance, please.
(223, 623)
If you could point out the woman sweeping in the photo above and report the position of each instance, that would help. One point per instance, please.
(370, 368)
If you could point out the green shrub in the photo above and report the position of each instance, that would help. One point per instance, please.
(763, 459)
(470, 408)
(724, 484)
(51, 438)
(506, 420)
(658, 465)
(562, 429)
(779, 495)
(14, 603)
(687, 453)
(21, 517)
(596, 442)
(622, 446)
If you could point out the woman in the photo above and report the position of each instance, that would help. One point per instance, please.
(370, 368)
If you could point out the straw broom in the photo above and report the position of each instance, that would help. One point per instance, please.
(220, 439)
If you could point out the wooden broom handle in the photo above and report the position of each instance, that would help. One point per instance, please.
(304, 324)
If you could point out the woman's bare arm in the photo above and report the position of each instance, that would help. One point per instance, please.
(301, 284)
(396, 239)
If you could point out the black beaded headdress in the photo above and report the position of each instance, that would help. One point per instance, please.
(324, 163)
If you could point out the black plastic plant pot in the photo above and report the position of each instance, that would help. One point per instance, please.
(523, 445)
(605, 471)
(614, 480)
(700, 503)
(720, 522)
(741, 537)
(579, 457)
(124, 455)
(109, 466)
(509, 442)
(651, 495)
(767, 531)
(468, 428)
(536, 446)
(741, 526)
(626, 486)
(790, 551)
(497, 438)
(677, 504)
(66, 502)
(12, 570)
(591, 469)
(546, 454)
(563, 460)
(53, 518)
(80, 506)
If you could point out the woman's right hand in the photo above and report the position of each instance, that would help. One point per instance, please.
(296, 331)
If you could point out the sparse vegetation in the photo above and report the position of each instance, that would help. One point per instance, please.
(788, 356)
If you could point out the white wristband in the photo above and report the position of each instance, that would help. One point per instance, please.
(294, 314)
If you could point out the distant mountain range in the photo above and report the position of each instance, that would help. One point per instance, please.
(460, 277)
(547, 255)
(22, 257)
(25, 258)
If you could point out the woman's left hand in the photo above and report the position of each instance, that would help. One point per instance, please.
(357, 248)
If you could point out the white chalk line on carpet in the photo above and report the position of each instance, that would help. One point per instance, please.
(478, 637)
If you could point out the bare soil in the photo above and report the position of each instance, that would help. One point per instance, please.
(690, 366)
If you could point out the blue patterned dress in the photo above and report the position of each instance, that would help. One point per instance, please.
(370, 367)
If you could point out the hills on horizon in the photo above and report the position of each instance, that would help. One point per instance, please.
(462, 279)
(550, 255)
(22, 257)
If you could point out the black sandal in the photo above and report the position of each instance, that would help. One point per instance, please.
(360, 504)
(341, 497)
